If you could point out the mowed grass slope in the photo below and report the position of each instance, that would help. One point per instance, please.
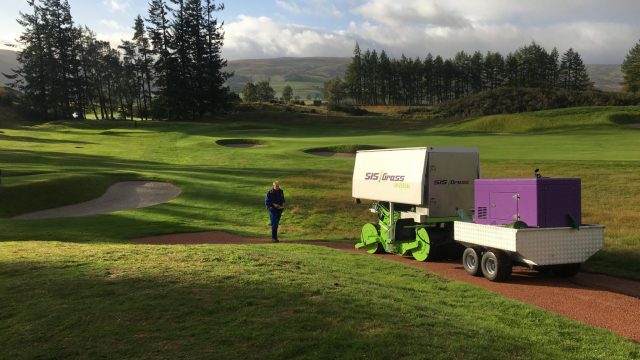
(73, 287)
(64, 300)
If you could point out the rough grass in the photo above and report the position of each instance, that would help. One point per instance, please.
(47, 190)
(63, 300)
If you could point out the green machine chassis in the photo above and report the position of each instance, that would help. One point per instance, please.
(402, 236)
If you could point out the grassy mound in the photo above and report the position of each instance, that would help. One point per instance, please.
(343, 149)
(11, 117)
(570, 119)
(26, 192)
(241, 142)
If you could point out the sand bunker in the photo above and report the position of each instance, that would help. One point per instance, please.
(340, 151)
(241, 143)
(120, 196)
(331, 154)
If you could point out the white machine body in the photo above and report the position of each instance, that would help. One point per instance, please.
(437, 180)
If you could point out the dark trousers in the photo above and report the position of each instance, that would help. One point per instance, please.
(274, 216)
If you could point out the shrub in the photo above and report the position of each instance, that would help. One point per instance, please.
(349, 109)
(515, 100)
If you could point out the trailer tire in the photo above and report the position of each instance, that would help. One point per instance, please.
(471, 262)
(567, 270)
(496, 265)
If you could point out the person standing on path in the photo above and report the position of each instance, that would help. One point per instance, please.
(275, 205)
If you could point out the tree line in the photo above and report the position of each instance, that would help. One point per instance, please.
(376, 79)
(170, 69)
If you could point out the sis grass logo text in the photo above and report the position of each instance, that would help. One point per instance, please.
(383, 176)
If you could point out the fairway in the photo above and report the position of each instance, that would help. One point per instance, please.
(291, 300)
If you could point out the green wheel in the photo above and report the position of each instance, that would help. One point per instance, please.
(370, 239)
(424, 245)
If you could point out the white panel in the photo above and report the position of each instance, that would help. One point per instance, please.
(560, 245)
(546, 246)
(395, 175)
(451, 175)
(496, 237)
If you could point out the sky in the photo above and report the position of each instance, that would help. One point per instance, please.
(601, 31)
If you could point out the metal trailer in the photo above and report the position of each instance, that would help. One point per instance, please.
(418, 193)
(492, 250)
(421, 194)
(534, 222)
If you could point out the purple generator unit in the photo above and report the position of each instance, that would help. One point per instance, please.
(539, 202)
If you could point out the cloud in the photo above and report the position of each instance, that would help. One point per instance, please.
(395, 13)
(602, 34)
(323, 8)
(111, 24)
(291, 7)
(115, 38)
(540, 12)
(260, 37)
(117, 5)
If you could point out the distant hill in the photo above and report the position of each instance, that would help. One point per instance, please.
(307, 75)
(7, 62)
(606, 77)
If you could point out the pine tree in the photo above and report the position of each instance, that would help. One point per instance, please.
(553, 69)
(573, 73)
(214, 64)
(143, 63)
(384, 74)
(493, 70)
(160, 34)
(32, 77)
(428, 79)
(49, 66)
(631, 70)
(353, 75)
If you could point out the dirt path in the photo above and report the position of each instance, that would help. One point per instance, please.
(598, 300)
(120, 196)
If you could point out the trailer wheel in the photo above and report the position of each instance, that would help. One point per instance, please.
(496, 265)
(471, 262)
(567, 270)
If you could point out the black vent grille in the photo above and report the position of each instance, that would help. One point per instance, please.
(482, 212)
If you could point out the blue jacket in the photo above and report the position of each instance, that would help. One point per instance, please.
(274, 197)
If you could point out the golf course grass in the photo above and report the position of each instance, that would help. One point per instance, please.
(75, 287)
(67, 300)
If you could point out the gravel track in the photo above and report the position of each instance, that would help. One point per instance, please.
(598, 300)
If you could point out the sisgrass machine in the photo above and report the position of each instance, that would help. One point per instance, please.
(422, 197)
(417, 194)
